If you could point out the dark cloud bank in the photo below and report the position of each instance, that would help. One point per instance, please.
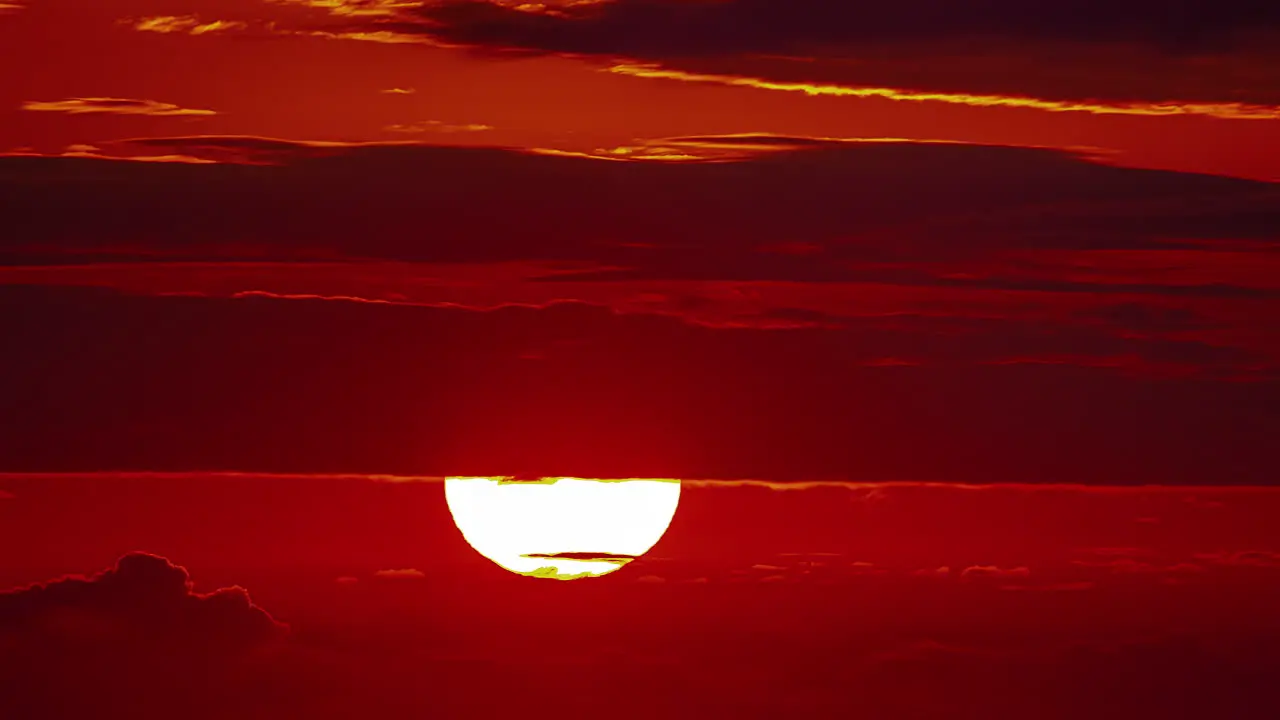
(1128, 52)
(863, 311)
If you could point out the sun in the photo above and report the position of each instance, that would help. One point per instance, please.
(563, 528)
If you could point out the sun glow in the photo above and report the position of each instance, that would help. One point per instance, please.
(563, 528)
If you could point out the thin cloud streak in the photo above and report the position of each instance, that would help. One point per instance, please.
(428, 126)
(189, 24)
(704, 483)
(113, 106)
(1232, 111)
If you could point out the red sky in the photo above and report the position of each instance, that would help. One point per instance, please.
(1001, 278)
(272, 76)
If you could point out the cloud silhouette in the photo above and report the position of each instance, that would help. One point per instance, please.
(144, 602)
(133, 641)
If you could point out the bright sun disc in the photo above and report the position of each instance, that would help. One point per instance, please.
(564, 528)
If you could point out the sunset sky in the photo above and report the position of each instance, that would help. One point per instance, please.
(959, 321)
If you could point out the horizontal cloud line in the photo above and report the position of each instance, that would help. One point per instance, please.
(708, 483)
(1233, 111)
(114, 106)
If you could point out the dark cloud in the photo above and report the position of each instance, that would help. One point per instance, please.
(144, 601)
(639, 317)
(135, 639)
(915, 203)
(1096, 55)
(260, 383)
(772, 27)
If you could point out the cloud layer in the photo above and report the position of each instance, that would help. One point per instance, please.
(1136, 56)
(729, 315)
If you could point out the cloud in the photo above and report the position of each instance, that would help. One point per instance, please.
(400, 574)
(145, 603)
(426, 126)
(137, 639)
(1243, 558)
(948, 254)
(189, 24)
(356, 8)
(115, 106)
(596, 408)
(1132, 566)
(993, 572)
(398, 91)
(993, 300)
(1022, 199)
(1054, 56)
(1237, 111)
(1015, 256)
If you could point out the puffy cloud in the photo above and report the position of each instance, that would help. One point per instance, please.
(145, 602)
(136, 641)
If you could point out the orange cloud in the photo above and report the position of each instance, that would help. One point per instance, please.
(387, 37)
(398, 91)
(114, 106)
(189, 24)
(356, 8)
(1235, 111)
(426, 126)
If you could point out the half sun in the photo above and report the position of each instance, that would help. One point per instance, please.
(563, 528)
